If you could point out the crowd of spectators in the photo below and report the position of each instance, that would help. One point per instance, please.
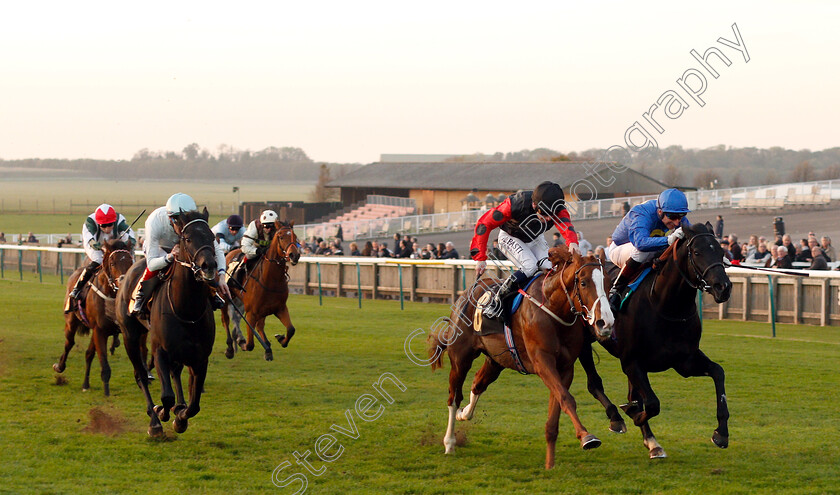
(402, 247)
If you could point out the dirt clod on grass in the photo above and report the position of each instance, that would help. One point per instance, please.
(104, 422)
(61, 380)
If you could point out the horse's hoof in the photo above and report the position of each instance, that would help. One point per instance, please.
(720, 440)
(229, 353)
(590, 442)
(162, 413)
(269, 356)
(156, 431)
(658, 453)
(177, 408)
(85, 389)
(249, 347)
(243, 344)
(150, 377)
(460, 416)
(631, 408)
(618, 427)
(179, 426)
(57, 368)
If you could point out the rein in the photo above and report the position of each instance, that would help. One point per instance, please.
(585, 312)
(190, 265)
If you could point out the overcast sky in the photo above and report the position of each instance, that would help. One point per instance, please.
(347, 81)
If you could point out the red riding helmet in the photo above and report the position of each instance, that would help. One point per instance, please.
(105, 214)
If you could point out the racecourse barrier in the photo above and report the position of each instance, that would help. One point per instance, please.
(809, 300)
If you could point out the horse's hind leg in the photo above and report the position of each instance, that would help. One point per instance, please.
(69, 342)
(488, 374)
(101, 340)
(700, 365)
(89, 353)
(643, 405)
(260, 327)
(283, 316)
(229, 352)
(596, 387)
(460, 363)
(114, 344)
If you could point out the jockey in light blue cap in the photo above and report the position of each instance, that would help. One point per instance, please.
(647, 229)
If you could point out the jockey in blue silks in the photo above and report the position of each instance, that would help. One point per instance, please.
(647, 229)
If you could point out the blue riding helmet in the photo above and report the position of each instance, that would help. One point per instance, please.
(672, 201)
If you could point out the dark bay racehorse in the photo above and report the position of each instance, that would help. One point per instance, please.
(547, 346)
(266, 292)
(181, 325)
(660, 329)
(97, 314)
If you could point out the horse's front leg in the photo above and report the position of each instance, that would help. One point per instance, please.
(596, 387)
(700, 365)
(545, 366)
(180, 403)
(89, 353)
(69, 341)
(269, 355)
(100, 338)
(225, 316)
(198, 373)
(286, 320)
(114, 344)
(642, 405)
(163, 365)
(488, 374)
(141, 375)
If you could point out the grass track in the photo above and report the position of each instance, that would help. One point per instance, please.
(255, 415)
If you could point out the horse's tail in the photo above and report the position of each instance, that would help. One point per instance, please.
(437, 346)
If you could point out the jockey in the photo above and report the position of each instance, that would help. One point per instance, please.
(100, 226)
(646, 230)
(229, 233)
(161, 248)
(255, 243)
(522, 219)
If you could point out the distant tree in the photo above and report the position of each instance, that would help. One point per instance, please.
(143, 155)
(191, 151)
(705, 178)
(803, 172)
(321, 192)
(672, 175)
(770, 178)
(831, 172)
(737, 181)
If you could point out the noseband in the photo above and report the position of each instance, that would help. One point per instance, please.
(285, 252)
(584, 311)
(112, 283)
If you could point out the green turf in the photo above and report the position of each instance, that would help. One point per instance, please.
(256, 414)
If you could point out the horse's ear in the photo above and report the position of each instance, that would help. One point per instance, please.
(559, 254)
(277, 224)
(205, 214)
(291, 223)
(709, 226)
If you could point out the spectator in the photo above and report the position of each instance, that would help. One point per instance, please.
(323, 249)
(404, 249)
(787, 242)
(441, 250)
(735, 248)
(601, 253)
(828, 249)
(339, 234)
(558, 240)
(751, 247)
(336, 248)
(583, 244)
(626, 208)
(383, 251)
(432, 250)
(2, 238)
(774, 253)
(313, 244)
(367, 250)
(415, 250)
(31, 239)
(306, 251)
(375, 247)
(804, 252)
(760, 255)
(778, 226)
(426, 253)
(450, 252)
(724, 244)
(68, 239)
(719, 227)
(818, 259)
(782, 259)
(397, 243)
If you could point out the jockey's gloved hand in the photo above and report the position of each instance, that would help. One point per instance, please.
(677, 234)
(574, 248)
(480, 267)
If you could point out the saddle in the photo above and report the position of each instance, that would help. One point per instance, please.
(637, 280)
(510, 304)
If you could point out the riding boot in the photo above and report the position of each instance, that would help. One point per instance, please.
(87, 273)
(241, 271)
(617, 293)
(141, 294)
(496, 305)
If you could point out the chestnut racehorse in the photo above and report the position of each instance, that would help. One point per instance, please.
(97, 313)
(181, 325)
(266, 292)
(548, 333)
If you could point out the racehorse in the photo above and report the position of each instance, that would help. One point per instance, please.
(266, 290)
(660, 329)
(547, 332)
(181, 325)
(97, 313)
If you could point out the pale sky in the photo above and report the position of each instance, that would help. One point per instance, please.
(347, 81)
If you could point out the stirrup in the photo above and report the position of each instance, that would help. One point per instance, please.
(493, 308)
(75, 293)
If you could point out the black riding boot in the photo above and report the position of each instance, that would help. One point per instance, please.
(141, 294)
(84, 277)
(511, 284)
(617, 293)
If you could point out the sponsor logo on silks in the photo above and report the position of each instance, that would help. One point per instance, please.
(657, 233)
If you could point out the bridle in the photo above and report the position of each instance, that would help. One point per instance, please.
(584, 311)
(286, 255)
(700, 277)
(112, 282)
(190, 263)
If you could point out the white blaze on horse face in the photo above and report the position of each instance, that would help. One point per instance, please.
(603, 302)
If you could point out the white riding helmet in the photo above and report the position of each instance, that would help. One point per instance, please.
(179, 202)
(268, 216)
